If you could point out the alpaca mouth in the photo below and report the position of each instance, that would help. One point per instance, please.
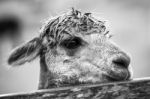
(120, 75)
(117, 73)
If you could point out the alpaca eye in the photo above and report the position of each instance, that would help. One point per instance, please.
(72, 43)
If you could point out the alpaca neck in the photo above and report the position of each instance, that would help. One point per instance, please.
(46, 80)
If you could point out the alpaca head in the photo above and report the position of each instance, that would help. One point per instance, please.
(76, 49)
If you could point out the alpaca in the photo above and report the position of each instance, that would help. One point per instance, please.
(74, 49)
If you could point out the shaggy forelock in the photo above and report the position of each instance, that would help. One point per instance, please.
(72, 23)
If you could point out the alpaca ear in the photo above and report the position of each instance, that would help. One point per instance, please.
(26, 52)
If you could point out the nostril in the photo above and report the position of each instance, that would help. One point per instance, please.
(121, 61)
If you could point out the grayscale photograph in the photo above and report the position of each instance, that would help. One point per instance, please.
(74, 49)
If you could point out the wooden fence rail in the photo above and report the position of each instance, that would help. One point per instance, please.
(135, 89)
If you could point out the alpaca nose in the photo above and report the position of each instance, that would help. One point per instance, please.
(121, 60)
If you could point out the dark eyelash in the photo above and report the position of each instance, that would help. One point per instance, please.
(110, 36)
(106, 33)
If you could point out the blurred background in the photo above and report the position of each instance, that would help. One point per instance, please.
(20, 21)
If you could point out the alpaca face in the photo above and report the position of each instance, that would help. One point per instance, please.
(85, 54)
(76, 49)
(88, 58)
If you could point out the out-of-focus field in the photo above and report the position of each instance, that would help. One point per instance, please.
(20, 20)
